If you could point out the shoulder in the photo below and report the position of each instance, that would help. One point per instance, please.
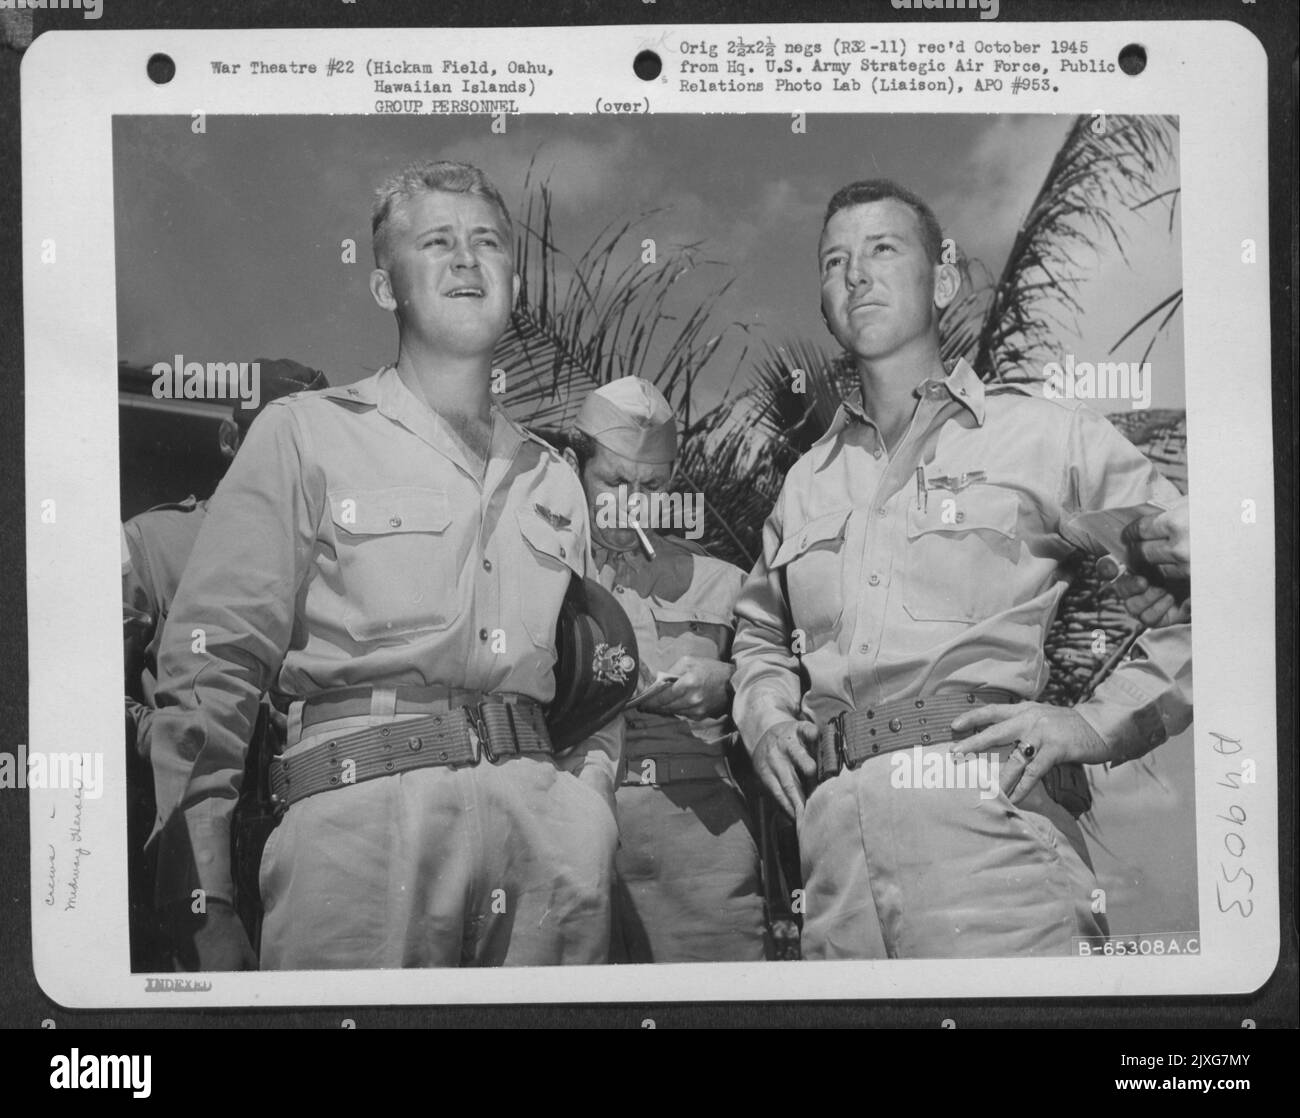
(1030, 404)
(352, 396)
(166, 513)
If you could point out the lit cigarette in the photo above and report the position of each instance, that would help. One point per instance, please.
(645, 543)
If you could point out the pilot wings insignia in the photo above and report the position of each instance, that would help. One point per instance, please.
(554, 519)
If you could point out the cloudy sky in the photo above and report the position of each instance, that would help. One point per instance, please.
(228, 241)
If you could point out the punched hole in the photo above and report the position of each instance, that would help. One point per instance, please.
(647, 65)
(160, 68)
(1133, 59)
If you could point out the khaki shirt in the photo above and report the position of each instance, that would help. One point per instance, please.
(892, 593)
(680, 603)
(352, 543)
(156, 545)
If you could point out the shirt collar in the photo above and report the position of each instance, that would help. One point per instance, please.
(387, 391)
(962, 384)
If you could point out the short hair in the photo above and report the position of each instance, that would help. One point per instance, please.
(880, 190)
(427, 177)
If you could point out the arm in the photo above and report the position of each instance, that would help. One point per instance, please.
(703, 687)
(1148, 698)
(767, 681)
(224, 639)
(595, 761)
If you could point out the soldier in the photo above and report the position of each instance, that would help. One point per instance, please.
(687, 885)
(394, 554)
(156, 545)
(910, 569)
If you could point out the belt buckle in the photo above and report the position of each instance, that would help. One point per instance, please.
(837, 739)
(478, 729)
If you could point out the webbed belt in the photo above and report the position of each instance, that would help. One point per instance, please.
(495, 728)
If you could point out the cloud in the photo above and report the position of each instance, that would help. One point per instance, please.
(996, 181)
(582, 173)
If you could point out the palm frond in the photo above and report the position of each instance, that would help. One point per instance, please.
(1098, 173)
(583, 321)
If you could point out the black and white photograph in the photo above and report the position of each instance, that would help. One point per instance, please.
(724, 527)
(852, 445)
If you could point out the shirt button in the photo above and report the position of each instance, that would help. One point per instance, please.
(487, 564)
(882, 511)
(563, 553)
(874, 579)
(864, 647)
(876, 453)
(960, 517)
(618, 590)
(395, 521)
(482, 634)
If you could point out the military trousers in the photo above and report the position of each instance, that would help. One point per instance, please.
(918, 868)
(687, 883)
(507, 863)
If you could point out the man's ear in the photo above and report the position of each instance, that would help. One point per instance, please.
(228, 438)
(567, 453)
(947, 282)
(381, 287)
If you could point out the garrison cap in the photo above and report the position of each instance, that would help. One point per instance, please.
(279, 377)
(631, 417)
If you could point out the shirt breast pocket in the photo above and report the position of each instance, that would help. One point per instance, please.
(556, 556)
(962, 551)
(687, 631)
(398, 560)
(812, 557)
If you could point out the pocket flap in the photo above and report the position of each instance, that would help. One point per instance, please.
(384, 512)
(561, 544)
(675, 612)
(829, 526)
(995, 510)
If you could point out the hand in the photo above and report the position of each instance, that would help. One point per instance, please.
(1151, 605)
(782, 760)
(1045, 736)
(212, 941)
(1161, 540)
(700, 690)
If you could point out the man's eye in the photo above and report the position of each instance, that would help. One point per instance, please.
(884, 248)
(832, 262)
(490, 242)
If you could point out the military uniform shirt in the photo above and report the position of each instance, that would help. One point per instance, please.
(894, 591)
(156, 545)
(352, 543)
(680, 603)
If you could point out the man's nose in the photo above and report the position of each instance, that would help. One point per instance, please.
(857, 273)
(464, 256)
